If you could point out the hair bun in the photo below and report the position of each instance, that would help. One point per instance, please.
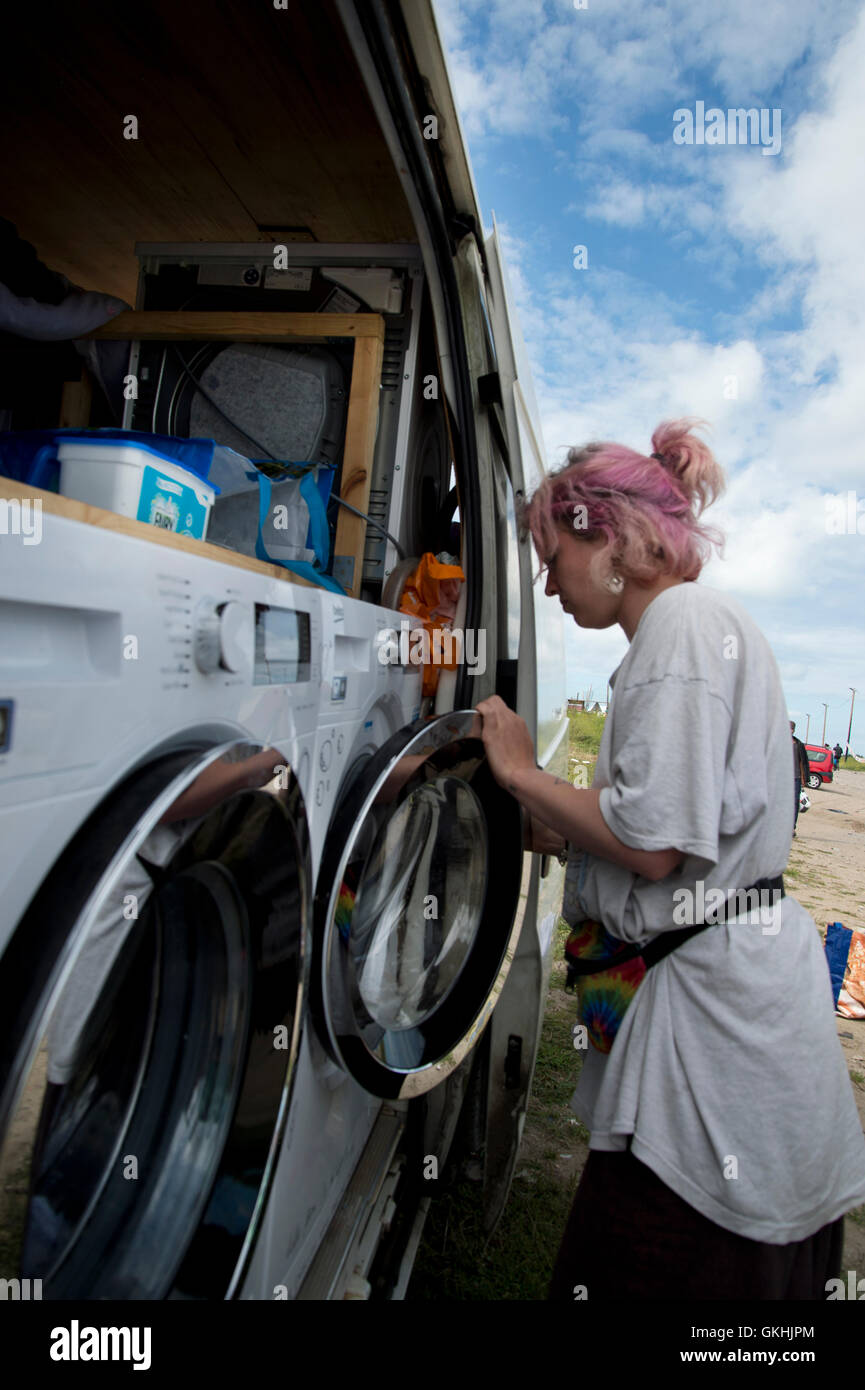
(690, 461)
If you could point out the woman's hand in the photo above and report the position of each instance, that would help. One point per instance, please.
(507, 740)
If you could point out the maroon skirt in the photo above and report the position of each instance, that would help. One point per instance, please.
(628, 1235)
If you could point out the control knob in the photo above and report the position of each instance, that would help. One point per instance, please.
(223, 636)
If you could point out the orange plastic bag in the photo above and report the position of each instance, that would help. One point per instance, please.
(432, 593)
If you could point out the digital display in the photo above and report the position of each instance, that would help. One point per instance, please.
(282, 646)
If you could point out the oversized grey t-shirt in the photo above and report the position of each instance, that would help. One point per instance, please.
(727, 1070)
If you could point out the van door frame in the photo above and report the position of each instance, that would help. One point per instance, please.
(371, 28)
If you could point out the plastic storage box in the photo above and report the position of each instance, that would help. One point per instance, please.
(136, 481)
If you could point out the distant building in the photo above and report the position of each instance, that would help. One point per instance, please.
(593, 707)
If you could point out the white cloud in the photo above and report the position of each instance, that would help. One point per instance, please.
(517, 63)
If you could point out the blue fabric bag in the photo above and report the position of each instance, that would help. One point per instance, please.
(246, 517)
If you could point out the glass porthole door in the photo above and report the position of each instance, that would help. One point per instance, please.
(416, 900)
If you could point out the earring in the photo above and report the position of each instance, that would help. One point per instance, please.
(615, 584)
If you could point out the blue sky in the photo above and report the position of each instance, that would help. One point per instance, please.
(721, 282)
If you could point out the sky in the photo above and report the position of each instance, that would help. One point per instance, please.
(719, 280)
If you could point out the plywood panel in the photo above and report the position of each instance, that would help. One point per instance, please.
(358, 459)
(249, 118)
(76, 402)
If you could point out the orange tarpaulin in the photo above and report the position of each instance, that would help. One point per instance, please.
(851, 1000)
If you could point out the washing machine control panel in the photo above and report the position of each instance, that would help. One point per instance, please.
(223, 636)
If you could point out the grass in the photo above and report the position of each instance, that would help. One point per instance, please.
(858, 1077)
(585, 733)
(13, 1211)
(857, 1215)
(799, 874)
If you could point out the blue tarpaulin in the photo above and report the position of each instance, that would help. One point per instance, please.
(838, 938)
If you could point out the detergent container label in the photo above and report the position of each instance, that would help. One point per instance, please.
(167, 503)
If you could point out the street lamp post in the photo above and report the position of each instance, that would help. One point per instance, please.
(825, 715)
(850, 725)
(807, 728)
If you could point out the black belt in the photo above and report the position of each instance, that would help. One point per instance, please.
(669, 940)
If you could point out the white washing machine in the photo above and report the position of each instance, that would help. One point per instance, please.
(247, 906)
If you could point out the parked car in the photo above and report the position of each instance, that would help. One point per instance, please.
(820, 764)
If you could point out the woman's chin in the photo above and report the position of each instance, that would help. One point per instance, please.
(592, 621)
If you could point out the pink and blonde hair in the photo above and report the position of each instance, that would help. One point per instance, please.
(648, 508)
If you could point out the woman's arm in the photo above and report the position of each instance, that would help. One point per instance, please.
(575, 812)
(572, 811)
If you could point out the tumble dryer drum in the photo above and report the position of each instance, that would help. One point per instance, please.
(415, 903)
(291, 400)
(150, 1011)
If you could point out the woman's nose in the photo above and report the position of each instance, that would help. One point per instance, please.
(551, 589)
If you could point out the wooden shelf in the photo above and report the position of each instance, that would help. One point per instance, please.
(239, 326)
(67, 507)
(367, 331)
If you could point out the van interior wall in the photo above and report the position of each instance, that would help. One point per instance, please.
(251, 123)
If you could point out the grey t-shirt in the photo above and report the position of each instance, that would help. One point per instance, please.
(727, 1070)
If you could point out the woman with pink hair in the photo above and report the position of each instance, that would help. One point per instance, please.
(725, 1143)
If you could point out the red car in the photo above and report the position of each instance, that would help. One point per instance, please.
(820, 764)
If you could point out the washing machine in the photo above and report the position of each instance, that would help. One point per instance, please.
(250, 906)
(415, 924)
(161, 724)
(418, 878)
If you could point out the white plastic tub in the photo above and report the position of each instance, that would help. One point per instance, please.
(138, 482)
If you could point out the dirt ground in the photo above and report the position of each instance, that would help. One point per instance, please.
(826, 874)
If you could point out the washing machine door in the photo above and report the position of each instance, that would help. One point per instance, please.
(415, 904)
(151, 1002)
